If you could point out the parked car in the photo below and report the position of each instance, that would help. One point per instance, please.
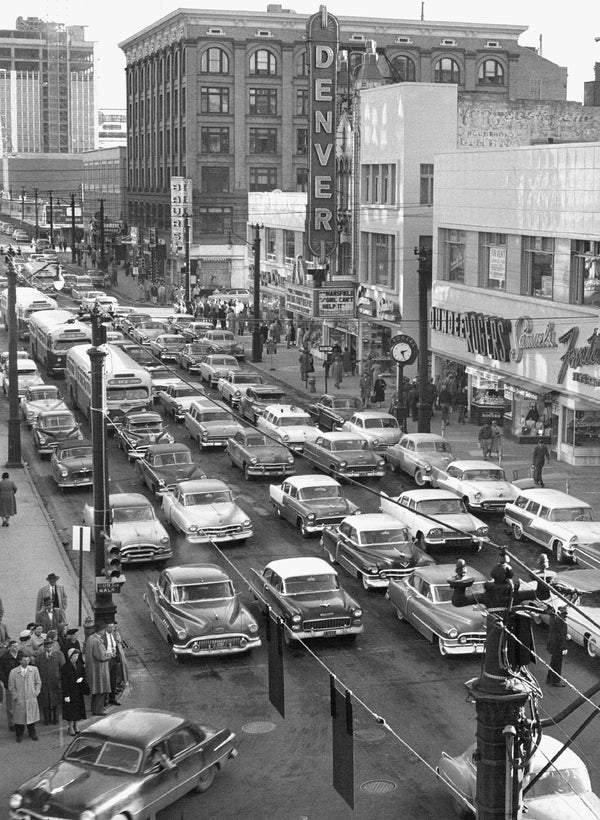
(225, 342)
(191, 355)
(205, 511)
(373, 548)
(196, 330)
(344, 455)
(177, 398)
(199, 613)
(288, 424)
(424, 600)
(255, 397)
(563, 791)
(306, 594)
(380, 429)
(210, 423)
(332, 410)
(215, 366)
(436, 518)
(582, 588)
(133, 763)
(178, 322)
(559, 522)
(80, 286)
(416, 453)
(21, 354)
(28, 375)
(229, 386)
(310, 502)
(71, 463)
(256, 455)
(38, 398)
(166, 346)
(134, 527)
(20, 236)
(481, 485)
(52, 427)
(135, 430)
(163, 465)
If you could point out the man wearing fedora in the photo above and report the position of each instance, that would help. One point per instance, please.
(54, 591)
(49, 661)
(557, 646)
(49, 617)
(97, 658)
(25, 685)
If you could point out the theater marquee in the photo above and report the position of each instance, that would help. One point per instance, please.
(321, 216)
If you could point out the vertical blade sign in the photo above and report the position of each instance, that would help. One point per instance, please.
(321, 216)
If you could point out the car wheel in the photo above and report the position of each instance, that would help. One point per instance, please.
(442, 647)
(557, 548)
(591, 646)
(303, 531)
(205, 779)
(517, 531)
(419, 479)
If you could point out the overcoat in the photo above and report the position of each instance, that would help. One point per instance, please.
(24, 691)
(49, 667)
(8, 502)
(96, 664)
(69, 675)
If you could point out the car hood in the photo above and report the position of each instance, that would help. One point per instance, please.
(229, 429)
(584, 806)
(137, 532)
(490, 489)
(400, 557)
(300, 432)
(268, 454)
(219, 616)
(59, 435)
(75, 465)
(433, 460)
(586, 531)
(335, 602)
(215, 514)
(465, 619)
(67, 787)
(149, 438)
(384, 436)
(330, 506)
(178, 472)
(44, 404)
(458, 521)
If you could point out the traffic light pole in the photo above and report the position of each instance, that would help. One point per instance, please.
(424, 284)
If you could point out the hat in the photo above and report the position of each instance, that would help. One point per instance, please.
(52, 576)
(11, 643)
(25, 635)
(31, 626)
(73, 631)
(72, 652)
(48, 642)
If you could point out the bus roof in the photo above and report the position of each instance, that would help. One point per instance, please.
(49, 318)
(116, 360)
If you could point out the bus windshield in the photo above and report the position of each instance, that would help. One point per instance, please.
(118, 394)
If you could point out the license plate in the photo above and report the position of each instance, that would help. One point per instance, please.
(219, 644)
(329, 633)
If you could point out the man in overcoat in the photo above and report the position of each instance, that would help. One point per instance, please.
(557, 646)
(96, 666)
(49, 661)
(24, 684)
(8, 662)
(49, 617)
(53, 590)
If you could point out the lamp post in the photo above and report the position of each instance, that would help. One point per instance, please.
(256, 337)
(14, 419)
(51, 220)
(188, 273)
(425, 397)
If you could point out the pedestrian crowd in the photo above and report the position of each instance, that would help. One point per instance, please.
(46, 674)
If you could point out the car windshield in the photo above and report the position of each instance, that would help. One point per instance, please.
(140, 356)
(152, 326)
(256, 441)
(39, 395)
(146, 427)
(572, 514)
(319, 493)
(76, 452)
(442, 593)
(385, 423)
(591, 599)
(269, 398)
(215, 497)
(172, 341)
(215, 415)
(245, 378)
(145, 513)
(170, 459)
(433, 447)
(442, 506)
(349, 444)
(104, 754)
(63, 422)
(561, 781)
(346, 404)
(220, 361)
(397, 535)
(293, 421)
(120, 394)
(192, 593)
(483, 475)
(309, 584)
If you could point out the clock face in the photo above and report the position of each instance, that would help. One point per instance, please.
(402, 352)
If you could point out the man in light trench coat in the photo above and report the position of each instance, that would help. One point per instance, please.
(25, 684)
(96, 667)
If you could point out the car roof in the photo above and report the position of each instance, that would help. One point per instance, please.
(553, 498)
(128, 500)
(38, 388)
(196, 573)
(138, 727)
(68, 443)
(25, 364)
(268, 388)
(473, 464)
(371, 414)
(439, 573)
(170, 336)
(427, 494)
(56, 411)
(195, 485)
(284, 409)
(584, 580)
(175, 447)
(336, 396)
(340, 435)
(301, 481)
(376, 521)
(423, 437)
(302, 565)
(146, 415)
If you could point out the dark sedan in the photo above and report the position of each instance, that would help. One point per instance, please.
(344, 454)
(163, 465)
(258, 455)
(331, 411)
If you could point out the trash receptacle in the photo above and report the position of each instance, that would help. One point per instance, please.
(312, 384)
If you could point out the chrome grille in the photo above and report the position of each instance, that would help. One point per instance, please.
(326, 623)
(210, 644)
(222, 532)
(473, 638)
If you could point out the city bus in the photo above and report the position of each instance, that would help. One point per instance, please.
(27, 301)
(51, 334)
(126, 384)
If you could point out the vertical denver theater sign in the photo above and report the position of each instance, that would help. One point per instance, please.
(321, 217)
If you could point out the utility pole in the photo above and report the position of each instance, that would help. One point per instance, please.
(256, 337)
(424, 284)
(73, 254)
(14, 419)
(23, 204)
(188, 273)
(102, 249)
(37, 224)
(51, 220)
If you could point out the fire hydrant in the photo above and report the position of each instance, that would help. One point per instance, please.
(312, 384)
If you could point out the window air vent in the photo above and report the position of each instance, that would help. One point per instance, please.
(263, 33)
(218, 31)
(448, 42)
(405, 40)
(493, 44)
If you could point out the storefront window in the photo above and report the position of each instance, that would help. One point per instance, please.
(582, 428)
(454, 255)
(585, 273)
(537, 266)
(492, 261)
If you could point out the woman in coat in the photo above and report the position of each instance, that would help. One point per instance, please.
(379, 386)
(337, 369)
(8, 502)
(74, 687)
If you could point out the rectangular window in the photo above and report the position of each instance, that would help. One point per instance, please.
(215, 180)
(302, 141)
(537, 266)
(214, 100)
(378, 259)
(388, 184)
(378, 184)
(263, 101)
(289, 246)
(454, 255)
(270, 243)
(263, 140)
(492, 261)
(584, 285)
(263, 179)
(426, 184)
(302, 102)
(302, 179)
(215, 220)
(214, 140)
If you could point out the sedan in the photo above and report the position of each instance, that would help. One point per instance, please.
(71, 464)
(177, 398)
(198, 612)
(416, 453)
(254, 398)
(225, 342)
(424, 599)
(52, 427)
(191, 355)
(163, 465)
(564, 789)
(482, 486)
(215, 367)
(257, 455)
(332, 410)
(310, 502)
(166, 346)
(380, 429)
(374, 548)
(344, 454)
(38, 398)
(88, 301)
(143, 332)
(230, 387)
(27, 376)
(137, 430)
(582, 588)
(131, 764)
(196, 330)
(204, 510)
(306, 594)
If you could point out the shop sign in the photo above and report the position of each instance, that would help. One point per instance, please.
(483, 379)
(486, 335)
(181, 206)
(575, 357)
(497, 265)
(322, 34)
(299, 301)
(511, 392)
(335, 302)
(526, 339)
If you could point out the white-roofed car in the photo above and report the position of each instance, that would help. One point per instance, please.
(289, 424)
(344, 454)
(210, 423)
(380, 429)
(581, 587)
(310, 502)
(215, 366)
(166, 346)
(28, 375)
(416, 453)
(204, 510)
(177, 398)
(482, 486)
(230, 386)
(40, 397)
(306, 594)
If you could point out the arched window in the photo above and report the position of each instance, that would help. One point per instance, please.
(263, 62)
(446, 71)
(405, 69)
(214, 61)
(491, 72)
(302, 64)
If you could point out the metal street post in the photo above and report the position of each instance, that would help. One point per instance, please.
(73, 254)
(51, 220)
(256, 337)
(37, 221)
(102, 248)
(424, 281)
(22, 204)
(14, 418)
(188, 273)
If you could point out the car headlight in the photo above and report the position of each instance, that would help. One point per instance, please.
(296, 618)
(373, 570)
(452, 632)
(179, 407)
(246, 523)
(435, 532)
(357, 613)
(253, 460)
(381, 463)
(205, 435)
(374, 442)
(181, 634)
(482, 531)
(285, 437)
(42, 438)
(343, 464)
(290, 459)
(426, 468)
(477, 496)
(253, 628)
(164, 539)
(311, 517)
(193, 528)
(64, 473)
(16, 800)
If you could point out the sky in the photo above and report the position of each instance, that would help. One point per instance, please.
(568, 32)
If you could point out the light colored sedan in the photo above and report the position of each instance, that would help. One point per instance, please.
(582, 588)
(417, 453)
(38, 398)
(482, 486)
(380, 429)
(216, 366)
(205, 511)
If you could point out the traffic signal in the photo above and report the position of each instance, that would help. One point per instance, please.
(112, 562)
